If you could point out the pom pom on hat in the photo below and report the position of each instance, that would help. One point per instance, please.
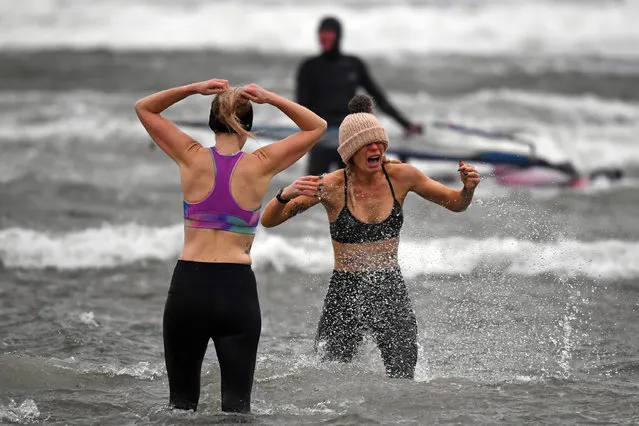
(360, 103)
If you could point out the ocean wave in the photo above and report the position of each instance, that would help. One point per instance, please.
(88, 116)
(142, 370)
(65, 129)
(578, 109)
(104, 247)
(599, 28)
(112, 246)
(51, 118)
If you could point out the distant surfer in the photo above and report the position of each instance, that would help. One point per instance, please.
(326, 82)
(213, 292)
(363, 203)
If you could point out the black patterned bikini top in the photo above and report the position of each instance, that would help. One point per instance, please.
(347, 229)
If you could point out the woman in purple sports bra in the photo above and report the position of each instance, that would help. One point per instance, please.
(213, 293)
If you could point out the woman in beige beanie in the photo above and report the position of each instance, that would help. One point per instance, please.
(364, 202)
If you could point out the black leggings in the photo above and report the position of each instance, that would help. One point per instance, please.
(211, 301)
(375, 301)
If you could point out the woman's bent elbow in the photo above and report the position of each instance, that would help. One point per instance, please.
(266, 223)
(139, 107)
(457, 209)
(319, 132)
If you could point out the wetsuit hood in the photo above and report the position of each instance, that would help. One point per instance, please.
(333, 24)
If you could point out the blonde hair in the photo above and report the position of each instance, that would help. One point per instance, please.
(228, 106)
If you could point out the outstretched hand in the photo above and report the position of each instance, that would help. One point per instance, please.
(306, 185)
(469, 176)
(211, 87)
(256, 93)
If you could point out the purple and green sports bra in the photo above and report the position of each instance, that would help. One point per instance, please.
(219, 210)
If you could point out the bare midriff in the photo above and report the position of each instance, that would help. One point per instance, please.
(215, 245)
(366, 256)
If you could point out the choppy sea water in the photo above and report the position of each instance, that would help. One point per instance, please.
(527, 303)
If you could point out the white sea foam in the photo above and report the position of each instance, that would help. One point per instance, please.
(88, 318)
(112, 246)
(104, 247)
(25, 413)
(142, 370)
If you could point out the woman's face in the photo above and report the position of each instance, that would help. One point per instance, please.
(369, 157)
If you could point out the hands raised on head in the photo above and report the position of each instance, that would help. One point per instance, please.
(211, 87)
(256, 93)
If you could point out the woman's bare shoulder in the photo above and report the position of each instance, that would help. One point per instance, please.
(334, 177)
(333, 180)
(401, 171)
(332, 186)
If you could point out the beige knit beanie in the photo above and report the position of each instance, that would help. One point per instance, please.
(359, 128)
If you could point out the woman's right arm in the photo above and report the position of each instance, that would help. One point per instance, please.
(166, 134)
(301, 195)
(280, 155)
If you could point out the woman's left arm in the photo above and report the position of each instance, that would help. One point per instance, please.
(453, 200)
(167, 135)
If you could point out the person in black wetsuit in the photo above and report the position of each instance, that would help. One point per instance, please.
(363, 203)
(326, 83)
